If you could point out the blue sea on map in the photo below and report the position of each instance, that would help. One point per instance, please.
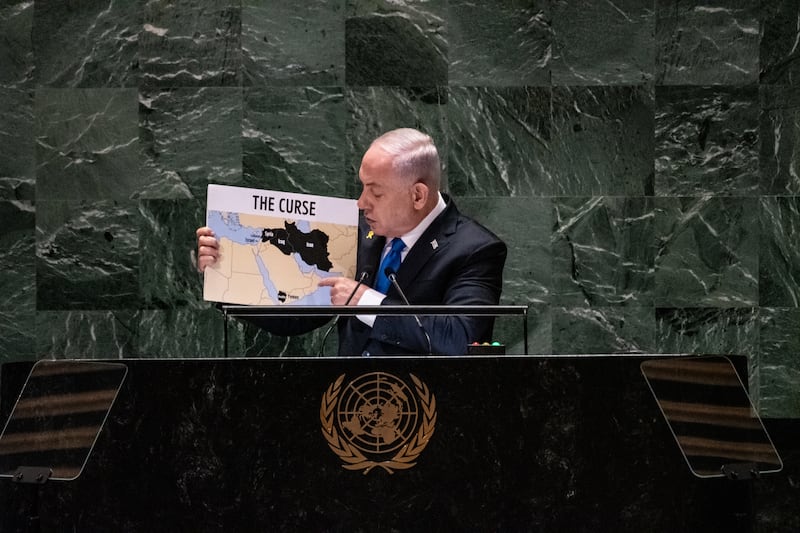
(227, 226)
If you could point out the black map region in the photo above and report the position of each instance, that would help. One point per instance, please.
(312, 246)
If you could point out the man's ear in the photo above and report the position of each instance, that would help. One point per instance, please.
(420, 194)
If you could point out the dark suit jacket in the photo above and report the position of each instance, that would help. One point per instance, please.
(455, 262)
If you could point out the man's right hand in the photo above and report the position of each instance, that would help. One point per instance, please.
(207, 248)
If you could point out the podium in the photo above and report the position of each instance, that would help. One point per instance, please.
(561, 443)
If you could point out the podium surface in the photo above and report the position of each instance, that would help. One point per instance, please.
(401, 444)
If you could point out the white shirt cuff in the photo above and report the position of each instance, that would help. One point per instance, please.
(371, 297)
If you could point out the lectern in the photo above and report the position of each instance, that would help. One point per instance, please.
(512, 443)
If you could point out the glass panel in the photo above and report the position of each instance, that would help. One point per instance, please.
(711, 417)
(58, 416)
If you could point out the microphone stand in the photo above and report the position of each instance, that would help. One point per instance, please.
(361, 279)
(393, 278)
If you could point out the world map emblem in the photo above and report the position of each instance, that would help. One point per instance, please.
(378, 420)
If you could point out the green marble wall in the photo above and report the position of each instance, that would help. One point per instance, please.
(642, 160)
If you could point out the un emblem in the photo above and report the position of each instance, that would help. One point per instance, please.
(378, 420)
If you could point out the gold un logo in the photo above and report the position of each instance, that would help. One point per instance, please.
(378, 420)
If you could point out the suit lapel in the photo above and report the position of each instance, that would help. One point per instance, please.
(369, 254)
(434, 240)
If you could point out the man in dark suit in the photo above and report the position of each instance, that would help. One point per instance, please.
(440, 256)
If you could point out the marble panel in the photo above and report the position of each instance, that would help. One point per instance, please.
(92, 334)
(708, 330)
(705, 43)
(499, 141)
(90, 43)
(602, 141)
(600, 330)
(707, 252)
(17, 254)
(18, 279)
(525, 225)
(168, 276)
(248, 340)
(779, 252)
(190, 137)
(191, 43)
(396, 43)
(293, 139)
(602, 43)
(603, 251)
(779, 52)
(540, 332)
(707, 141)
(373, 111)
(779, 130)
(510, 330)
(779, 355)
(179, 332)
(86, 144)
(17, 149)
(293, 43)
(504, 42)
(18, 333)
(87, 255)
(16, 45)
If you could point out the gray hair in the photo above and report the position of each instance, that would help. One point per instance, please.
(414, 155)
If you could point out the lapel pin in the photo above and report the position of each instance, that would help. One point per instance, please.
(434, 244)
(370, 234)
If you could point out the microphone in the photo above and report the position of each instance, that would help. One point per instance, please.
(390, 273)
(365, 275)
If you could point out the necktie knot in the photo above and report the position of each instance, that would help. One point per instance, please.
(397, 245)
(391, 262)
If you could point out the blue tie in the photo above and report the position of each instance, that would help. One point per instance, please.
(391, 262)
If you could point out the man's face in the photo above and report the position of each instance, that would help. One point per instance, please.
(390, 204)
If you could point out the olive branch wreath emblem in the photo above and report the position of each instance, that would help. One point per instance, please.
(404, 459)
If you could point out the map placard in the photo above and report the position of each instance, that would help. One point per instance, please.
(276, 246)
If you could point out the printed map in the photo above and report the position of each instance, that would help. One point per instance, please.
(269, 260)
